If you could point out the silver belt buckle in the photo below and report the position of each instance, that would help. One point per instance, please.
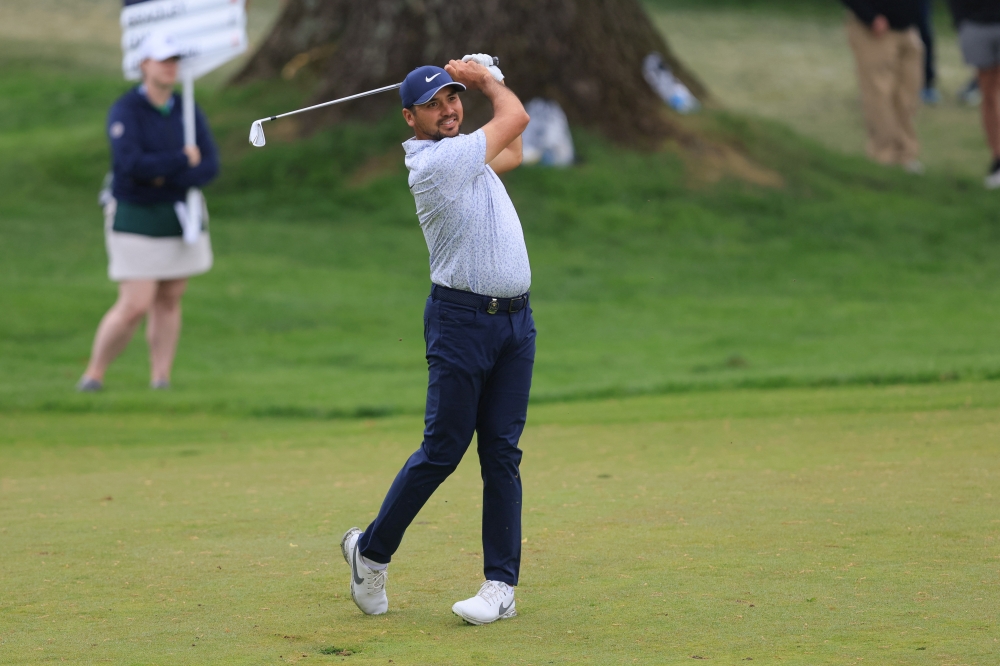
(492, 307)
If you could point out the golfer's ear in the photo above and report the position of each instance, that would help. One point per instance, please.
(408, 117)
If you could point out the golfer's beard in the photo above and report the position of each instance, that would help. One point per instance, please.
(437, 135)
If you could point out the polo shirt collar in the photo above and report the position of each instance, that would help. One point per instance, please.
(165, 109)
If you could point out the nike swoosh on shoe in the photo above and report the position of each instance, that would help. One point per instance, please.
(503, 610)
(354, 567)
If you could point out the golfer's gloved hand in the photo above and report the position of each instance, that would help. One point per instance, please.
(486, 60)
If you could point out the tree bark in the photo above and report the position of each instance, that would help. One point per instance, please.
(585, 54)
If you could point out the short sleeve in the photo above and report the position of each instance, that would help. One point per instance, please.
(453, 162)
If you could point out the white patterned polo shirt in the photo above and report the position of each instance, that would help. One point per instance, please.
(472, 231)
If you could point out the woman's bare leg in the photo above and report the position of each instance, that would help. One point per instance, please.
(989, 85)
(163, 328)
(117, 327)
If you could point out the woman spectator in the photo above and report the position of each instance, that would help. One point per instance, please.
(147, 253)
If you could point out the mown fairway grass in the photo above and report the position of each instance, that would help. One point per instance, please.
(830, 526)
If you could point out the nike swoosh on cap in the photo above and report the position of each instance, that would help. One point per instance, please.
(428, 79)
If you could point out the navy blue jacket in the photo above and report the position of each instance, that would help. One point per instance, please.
(147, 151)
(902, 14)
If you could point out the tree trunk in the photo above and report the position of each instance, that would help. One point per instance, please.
(585, 54)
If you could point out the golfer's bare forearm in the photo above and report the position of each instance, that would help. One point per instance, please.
(509, 119)
(509, 158)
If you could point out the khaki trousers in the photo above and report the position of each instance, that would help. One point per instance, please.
(890, 73)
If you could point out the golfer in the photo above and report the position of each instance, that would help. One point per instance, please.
(148, 256)
(477, 325)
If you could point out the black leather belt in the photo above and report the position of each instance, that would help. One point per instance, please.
(488, 304)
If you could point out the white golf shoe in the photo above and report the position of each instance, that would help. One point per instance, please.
(495, 601)
(367, 585)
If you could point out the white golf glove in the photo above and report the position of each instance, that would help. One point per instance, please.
(486, 60)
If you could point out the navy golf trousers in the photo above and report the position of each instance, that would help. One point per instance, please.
(480, 374)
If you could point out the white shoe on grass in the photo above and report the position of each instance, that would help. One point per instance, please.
(495, 601)
(367, 585)
(992, 181)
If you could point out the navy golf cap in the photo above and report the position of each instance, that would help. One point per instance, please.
(423, 83)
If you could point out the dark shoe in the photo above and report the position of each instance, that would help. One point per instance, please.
(992, 180)
(88, 385)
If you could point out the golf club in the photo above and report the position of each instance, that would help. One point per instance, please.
(257, 129)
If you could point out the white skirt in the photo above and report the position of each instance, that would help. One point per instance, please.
(138, 257)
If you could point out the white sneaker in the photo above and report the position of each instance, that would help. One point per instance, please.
(367, 585)
(992, 181)
(495, 601)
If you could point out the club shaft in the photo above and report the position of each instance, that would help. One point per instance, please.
(336, 101)
(496, 62)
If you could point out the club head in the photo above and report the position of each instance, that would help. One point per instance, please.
(257, 134)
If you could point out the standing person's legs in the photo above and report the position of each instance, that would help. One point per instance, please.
(455, 351)
(503, 410)
(910, 54)
(135, 297)
(926, 29)
(980, 44)
(163, 328)
(877, 79)
(989, 84)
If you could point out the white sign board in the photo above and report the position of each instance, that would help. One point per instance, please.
(208, 32)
